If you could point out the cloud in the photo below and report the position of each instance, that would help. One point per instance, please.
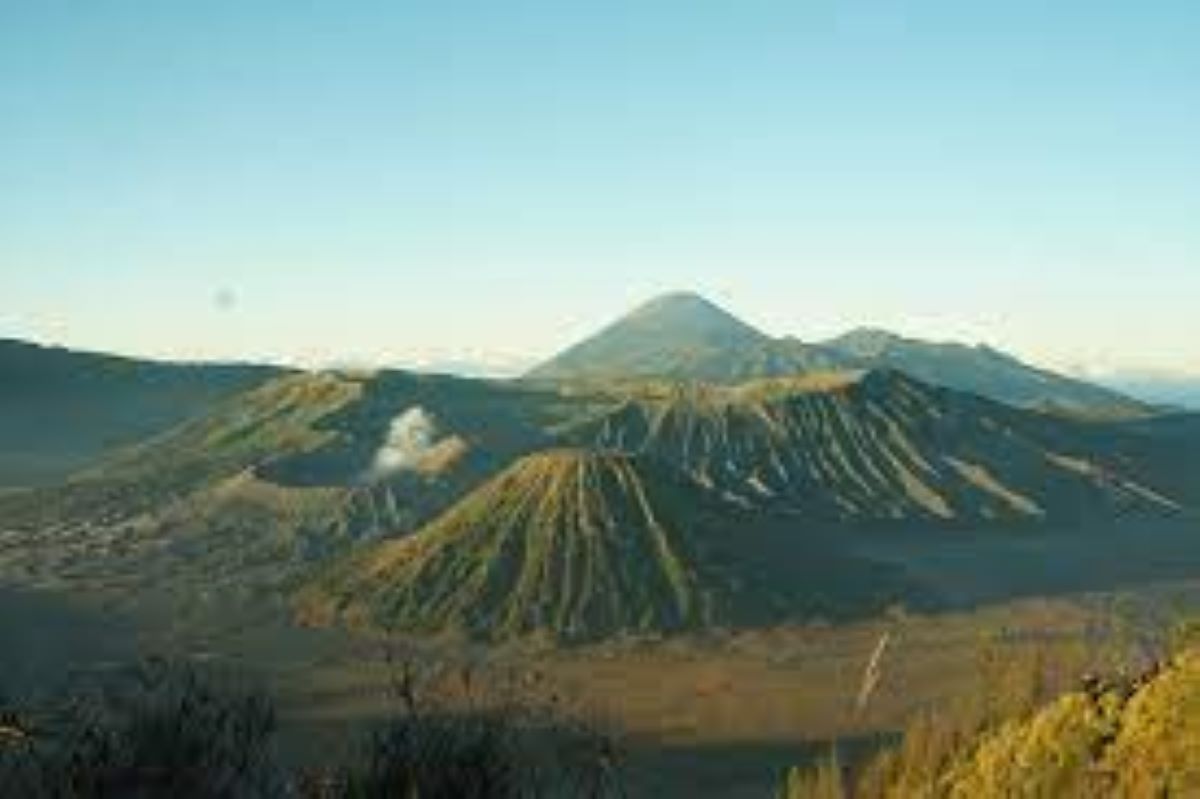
(411, 436)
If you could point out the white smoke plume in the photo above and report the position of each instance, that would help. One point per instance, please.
(410, 437)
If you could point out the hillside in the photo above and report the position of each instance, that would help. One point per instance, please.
(1128, 738)
(884, 447)
(176, 503)
(61, 410)
(275, 480)
(749, 486)
(578, 545)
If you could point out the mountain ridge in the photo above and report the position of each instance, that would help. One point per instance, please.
(884, 447)
(984, 370)
(296, 478)
(682, 336)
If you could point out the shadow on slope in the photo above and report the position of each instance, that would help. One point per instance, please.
(61, 410)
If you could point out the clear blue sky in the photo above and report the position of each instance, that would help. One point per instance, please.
(400, 181)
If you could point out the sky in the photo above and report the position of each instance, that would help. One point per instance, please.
(418, 182)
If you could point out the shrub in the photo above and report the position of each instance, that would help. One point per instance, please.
(501, 746)
(171, 730)
(158, 730)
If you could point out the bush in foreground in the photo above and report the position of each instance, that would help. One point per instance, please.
(170, 730)
(1128, 735)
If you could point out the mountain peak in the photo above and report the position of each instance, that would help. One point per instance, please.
(679, 300)
(679, 334)
(609, 541)
(579, 545)
(680, 297)
(687, 312)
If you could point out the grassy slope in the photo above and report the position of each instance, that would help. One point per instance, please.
(60, 410)
(273, 483)
(886, 447)
(1094, 745)
(581, 545)
(269, 483)
(496, 421)
(185, 497)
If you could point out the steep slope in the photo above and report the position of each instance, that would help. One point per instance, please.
(281, 478)
(885, 447)
(679, 336)
(578, 545)
(410, 424)
(273, 481)
(1164, 451)
(60, 410)
(984, 371)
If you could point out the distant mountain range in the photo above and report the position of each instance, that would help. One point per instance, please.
(685, 337)
(61, 409)
(678, 471)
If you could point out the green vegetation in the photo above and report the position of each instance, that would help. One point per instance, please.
(160, 730)
(883, 447)
(188, 500)
(1121, 735)
(720, 530)
(268, 485)
(714, 489)
(581, 545)
(166, 729)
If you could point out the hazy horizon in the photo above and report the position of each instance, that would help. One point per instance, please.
(394, 184)
(1166, 387)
